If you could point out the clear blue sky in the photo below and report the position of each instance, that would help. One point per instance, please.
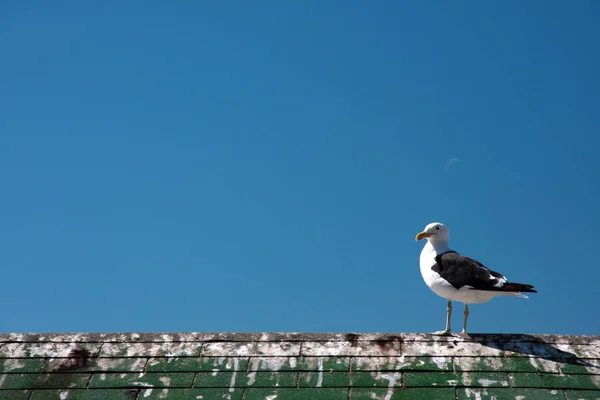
(265, 166)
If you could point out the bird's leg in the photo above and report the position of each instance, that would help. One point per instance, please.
(446, 331)
(464, 331)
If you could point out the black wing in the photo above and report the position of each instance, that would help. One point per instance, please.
(462, 271)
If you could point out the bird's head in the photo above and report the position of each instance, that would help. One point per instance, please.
(434, 232)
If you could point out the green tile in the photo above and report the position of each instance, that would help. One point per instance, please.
(20, 365)
(474, 379)
(553, 381)
(216, 379)
(269, 379)
(223, 364)
(85, 394)
(43, 381)
(324, 364)
(581, 368)
(509, 394)
(296, 394)
(401, 364)
(583, 394)
(324, 379)
(95, 364)
(412, 379)
(191, 394)
(129, 380)
(404, 394)
(14, 394)
(508, 364)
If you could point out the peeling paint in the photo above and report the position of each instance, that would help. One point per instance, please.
(13, 363)
(392, 378)
(441, 362)
(169, 349)
(43, 350)
(166, 380)
(488, 382)
(320, 369)
(233, 376)
(143, 384)
(254, 363)
(148, 392)
(251, 349)
(63, 394)
(475, 393)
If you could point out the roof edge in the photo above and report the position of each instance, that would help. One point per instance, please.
(146, 337)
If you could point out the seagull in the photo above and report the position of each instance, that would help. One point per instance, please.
(459, 278)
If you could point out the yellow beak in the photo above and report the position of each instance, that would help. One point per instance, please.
(423, 235)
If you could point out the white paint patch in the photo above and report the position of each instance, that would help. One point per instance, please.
(272, 397)
(294, 362)
(2, 378)
(144, 384)
(519, 397)
(163, 394)
(467, 379)
(392, 378)
(533, 363)
(251, 378)
(233, 376)
(64, 395)
(12, 364)
(452, 382)
(486, 382)
(320, 366)
(166, 380)
(473, 392)
(274, 363)
(440, 362)
(147, 392)
(102, 377)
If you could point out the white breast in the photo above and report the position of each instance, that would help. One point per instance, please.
(427, 261)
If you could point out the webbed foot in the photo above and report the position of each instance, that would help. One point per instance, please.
(445, 332)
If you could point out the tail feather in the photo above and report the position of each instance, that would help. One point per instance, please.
(518, 287)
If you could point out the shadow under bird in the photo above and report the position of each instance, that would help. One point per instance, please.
(458, 278)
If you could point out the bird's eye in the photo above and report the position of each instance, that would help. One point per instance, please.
(437, 228)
